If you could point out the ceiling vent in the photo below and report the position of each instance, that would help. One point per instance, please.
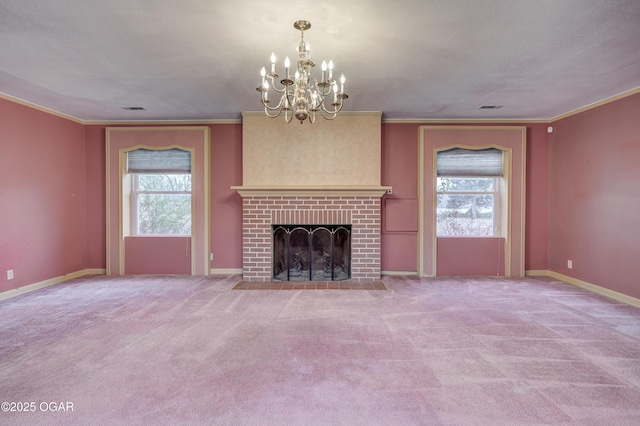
(134, 108)
(490, 107)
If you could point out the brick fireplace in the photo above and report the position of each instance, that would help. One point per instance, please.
(358, 208)
(327, 173)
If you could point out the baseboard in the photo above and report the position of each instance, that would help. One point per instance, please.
(536, 273)
(620, 297)
(414, 273)
(93, 271)
(225, 271)
(51, 281)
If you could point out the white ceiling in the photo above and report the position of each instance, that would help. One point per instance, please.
(410, 59)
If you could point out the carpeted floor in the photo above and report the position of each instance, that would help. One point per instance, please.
(190, 350)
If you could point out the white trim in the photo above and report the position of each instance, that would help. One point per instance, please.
(342, 113)
(603, 291)
(311, 190)
(508, 233)
(595, 104)
(389, 120)
(195, 122)
(420, 239)
(225, 271)
(399, 273)
(40, 108)
(117, 122)
(51, 281)
(496, 120)
(536, 273)
(206, 206)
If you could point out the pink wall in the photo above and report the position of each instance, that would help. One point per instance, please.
(42, 196)
(475, 256)
(399, 169)
(96, 209)
(120, 139)
(52, 199)
(226, 204)
(595, 196)
(157, 255)
(399, 240)
(537, 188)
(35, 208)
(509, 138)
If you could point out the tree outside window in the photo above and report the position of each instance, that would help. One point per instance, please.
(466, 206)
(162, 204)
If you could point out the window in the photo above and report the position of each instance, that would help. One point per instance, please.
(161, 192)
(467, 206)
(161, 204)
(468, 192)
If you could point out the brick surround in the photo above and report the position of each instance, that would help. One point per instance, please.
(361, 212)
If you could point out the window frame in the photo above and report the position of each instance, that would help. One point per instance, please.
(496, 210)
(135, 192)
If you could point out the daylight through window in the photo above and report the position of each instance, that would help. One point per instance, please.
(468, 187)
(161, 192)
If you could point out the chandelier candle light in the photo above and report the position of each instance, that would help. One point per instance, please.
(301, 95)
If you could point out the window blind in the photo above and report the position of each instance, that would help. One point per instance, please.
(159, 161)
(467, 162)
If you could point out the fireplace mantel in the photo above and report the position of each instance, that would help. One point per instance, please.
(311, 190)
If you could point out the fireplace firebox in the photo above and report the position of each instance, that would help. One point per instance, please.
(311, 252)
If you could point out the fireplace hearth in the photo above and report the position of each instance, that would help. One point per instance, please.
(311, 252)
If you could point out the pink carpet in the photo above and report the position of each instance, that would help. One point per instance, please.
(190, 350)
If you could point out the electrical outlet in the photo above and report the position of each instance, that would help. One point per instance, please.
(569, 264)
(210, 256)
(10, 274)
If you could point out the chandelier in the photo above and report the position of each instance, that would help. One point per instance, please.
(301, 95)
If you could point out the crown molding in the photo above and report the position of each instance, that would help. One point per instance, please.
(202, 122)
(386, 121)
(465, 120)
(341, 113)
(596, 104)
(40, 108)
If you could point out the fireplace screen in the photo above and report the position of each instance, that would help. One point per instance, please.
(311, 252)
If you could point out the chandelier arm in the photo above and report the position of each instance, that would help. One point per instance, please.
(288, 118)
(290, 95)
(278, 107)
(302, 95)
(330, 115)
(320, 90)
(266, 111)
(273, 86)
(336, 108)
